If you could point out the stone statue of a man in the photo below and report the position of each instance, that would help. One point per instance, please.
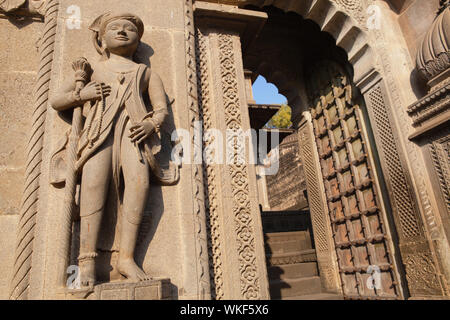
(118, 138)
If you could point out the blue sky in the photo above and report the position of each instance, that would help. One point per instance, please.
(264, 92)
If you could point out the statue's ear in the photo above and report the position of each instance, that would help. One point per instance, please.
(95, 28)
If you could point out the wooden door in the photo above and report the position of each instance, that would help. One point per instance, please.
(361, 234)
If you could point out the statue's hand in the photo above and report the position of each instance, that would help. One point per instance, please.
(94, 91)
(142, 131)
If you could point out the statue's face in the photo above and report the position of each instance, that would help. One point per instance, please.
(121, 37)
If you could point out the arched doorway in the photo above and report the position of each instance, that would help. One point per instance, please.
(353, 231)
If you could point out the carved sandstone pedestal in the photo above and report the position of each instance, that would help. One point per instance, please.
(158, 289)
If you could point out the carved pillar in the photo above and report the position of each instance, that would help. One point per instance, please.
(238, 268)
(323, 238)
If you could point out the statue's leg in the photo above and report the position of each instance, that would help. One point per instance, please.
(94, 190)
(136, 178)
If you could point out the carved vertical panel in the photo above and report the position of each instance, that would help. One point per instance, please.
(244, 224)
(409, 222)
(329, 272)
(440, 154)
(235, 240)
(211, 182)
(197, 172)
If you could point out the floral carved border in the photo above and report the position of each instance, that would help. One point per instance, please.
(244, 224)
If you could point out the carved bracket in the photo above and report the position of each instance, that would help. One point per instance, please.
(23, 7)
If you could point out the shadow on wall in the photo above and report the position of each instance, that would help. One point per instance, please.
(21, 22)
(418, 84)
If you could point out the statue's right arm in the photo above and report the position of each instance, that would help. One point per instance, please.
(64, 98)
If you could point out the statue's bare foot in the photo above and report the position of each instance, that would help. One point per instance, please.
(129, 269)
(87, 273)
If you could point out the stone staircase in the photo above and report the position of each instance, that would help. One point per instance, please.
(292, 267)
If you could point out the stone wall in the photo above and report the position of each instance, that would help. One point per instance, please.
(286, 190)
(17, 76)
(415, 18)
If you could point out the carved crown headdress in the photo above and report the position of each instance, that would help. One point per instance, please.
(99, 26)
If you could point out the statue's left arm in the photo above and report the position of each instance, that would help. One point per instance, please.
(157, 96)
(154, 121)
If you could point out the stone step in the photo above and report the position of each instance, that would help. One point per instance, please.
(318, 296)
(281, 289)
(292, 258)
(287, 242)
(293, 271)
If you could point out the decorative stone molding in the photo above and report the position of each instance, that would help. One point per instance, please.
(412, 162)
(210, 171)
(429, 116)
(430, 111)
(409, 221)
(197, 172)
(421, 273)
(355, 8)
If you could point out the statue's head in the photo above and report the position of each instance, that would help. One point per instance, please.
(117, 33)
